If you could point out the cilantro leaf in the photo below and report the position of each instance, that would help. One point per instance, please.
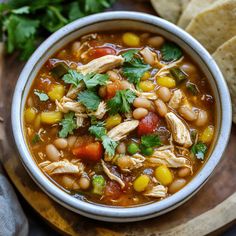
(92, 80)
(89, 99)
(96, 6)
(42, 96)
(109, 145)
(121, 102)
(68, 125)
(99, 131)
(129, 55)
(133, 68)
(72, 77)
(36, 138)
(171, 52)
(151, 140)
(199, 150)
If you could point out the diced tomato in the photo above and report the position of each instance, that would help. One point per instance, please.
(89, 152)
(112, 190)
(112, 88)
(101, 51)
(148, 124)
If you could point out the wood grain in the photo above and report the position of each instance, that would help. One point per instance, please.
(180, 221)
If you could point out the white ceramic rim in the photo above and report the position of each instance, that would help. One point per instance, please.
(118, 214)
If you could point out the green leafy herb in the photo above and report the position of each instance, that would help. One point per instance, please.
(171, 52)
(42, 96)
(178, 75)
(24, 23)
(72, 77)
(68, 125)
(134, 68)
(121, 102)
(151, 140)
(199, 150)
(99, 131)
(89, 99)
(192, 88)
(36, 138)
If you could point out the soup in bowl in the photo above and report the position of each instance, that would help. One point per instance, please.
(122, 118)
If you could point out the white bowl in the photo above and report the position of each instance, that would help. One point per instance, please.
(122, 21)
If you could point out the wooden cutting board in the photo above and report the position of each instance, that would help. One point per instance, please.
(212, 208)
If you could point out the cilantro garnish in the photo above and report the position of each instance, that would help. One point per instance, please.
(171, 52)
(36, 138)
(151, 140)
(91, 80)
(199, 150)
(99, 131)
(89, 99)
(68, 125)
(24, 23)
(121, 102)
(134, 68)
(41, 95)
(192, 88)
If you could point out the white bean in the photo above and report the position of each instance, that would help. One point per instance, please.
(184, 171)
(52, 153)
(187, 113)
(69, 183)
(84, 183)
(61, 143)
(202, 118)
(164, 94)
(176, 185)
(156, 41)
(139, 113)
(161, 107)
(71, 141)
(142, 102)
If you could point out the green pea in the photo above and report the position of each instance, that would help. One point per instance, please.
(147, 151)
(133, 148)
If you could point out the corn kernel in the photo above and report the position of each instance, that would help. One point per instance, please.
(207, 134)
(30, 114)
(141, 183)
(163, 175)
(146, 76)
(57, 92)
(112, 121)
(131, 39)
(146, 86)
(166, 82)
(51, 117)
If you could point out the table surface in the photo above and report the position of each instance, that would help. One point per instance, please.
(218, 188)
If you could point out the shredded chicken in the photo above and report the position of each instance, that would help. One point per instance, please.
(66, 104)
(121, 131)
(158, 191)
(73, 91)
(100, 112)
(80, 119)
(168, 158)
(131, 162)
(112, 176)
(176, 99)
(149, 56)
(148, 95)
(179, 130)
(101, 64)
(62, 167)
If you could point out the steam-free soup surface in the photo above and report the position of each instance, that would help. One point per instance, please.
(121, 118)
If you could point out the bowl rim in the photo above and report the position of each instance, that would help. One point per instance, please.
(138, 212)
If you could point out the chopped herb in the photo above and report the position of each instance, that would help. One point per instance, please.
(92, 80)
(25, 23)
(89, 99)
(41, 95)
(171, 52)
(99, 131)
(36, 138)
(68, 125)
(72, 77)
(199, 150)
(59, 70)
(151, 140)
(121, 102)
(192, 88)
(134, 68)
(178, 74)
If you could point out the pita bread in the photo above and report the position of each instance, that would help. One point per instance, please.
(215, 25)
(192, 10)
(170, 10)
(225, 57)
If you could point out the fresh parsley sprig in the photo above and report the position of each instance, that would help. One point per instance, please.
(171, 52)
(68, 125)
(89, 99)
(199, 150)
(150, 140)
